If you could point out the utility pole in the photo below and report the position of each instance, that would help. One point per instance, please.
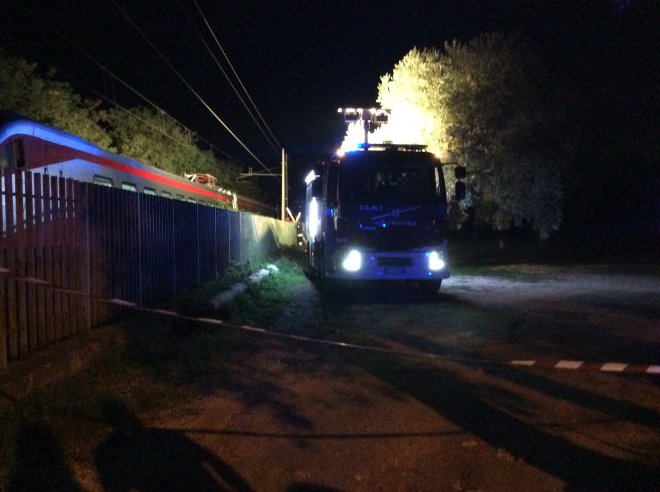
(285, 197)
(284, 202)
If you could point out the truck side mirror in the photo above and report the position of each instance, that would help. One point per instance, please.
(460, 172)
(459, 191)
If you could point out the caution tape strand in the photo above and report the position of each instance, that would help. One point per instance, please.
(573, 365)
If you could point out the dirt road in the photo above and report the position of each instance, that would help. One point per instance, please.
(294, 415)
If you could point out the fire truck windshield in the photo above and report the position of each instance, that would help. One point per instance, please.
(391, 177)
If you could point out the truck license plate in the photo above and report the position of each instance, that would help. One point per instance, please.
(395, 270)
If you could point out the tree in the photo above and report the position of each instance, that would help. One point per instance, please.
(412, 93)
(496, 122)
(24, 91)
(155, 138)
(146, 135)
(482, 103)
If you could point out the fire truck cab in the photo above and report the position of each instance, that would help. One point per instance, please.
(379, 213)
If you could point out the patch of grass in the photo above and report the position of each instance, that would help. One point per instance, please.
(195, 300)
(178, 350)
(263, 302)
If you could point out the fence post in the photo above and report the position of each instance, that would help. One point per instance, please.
(3, 313)
(84, 223)
(199, 245)
(5, 197)
(140, 206)
(174, 238)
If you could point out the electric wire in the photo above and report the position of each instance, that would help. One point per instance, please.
(134, 91)
(185, 82)
(233, 86)
(144, 98)
(147, 100)
(144, 121)
(236, 74)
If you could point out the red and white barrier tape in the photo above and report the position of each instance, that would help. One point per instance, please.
(612, 367)
(573, 365)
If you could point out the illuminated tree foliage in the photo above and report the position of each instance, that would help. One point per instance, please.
(484, 107)
(411, 94)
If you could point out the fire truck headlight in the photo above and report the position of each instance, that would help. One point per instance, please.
(435, 261)
(352, 261)
(313, 219)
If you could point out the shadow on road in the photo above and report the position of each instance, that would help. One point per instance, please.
(480, 409)
(368, 292)
(616, 408)
(41, 463)
(136, 457)
(310, 487)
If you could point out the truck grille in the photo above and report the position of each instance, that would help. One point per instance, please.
(402, 261)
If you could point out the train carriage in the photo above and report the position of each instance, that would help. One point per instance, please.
(27, 145)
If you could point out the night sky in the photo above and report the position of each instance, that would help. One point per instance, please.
(302, 60)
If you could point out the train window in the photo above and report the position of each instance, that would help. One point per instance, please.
(4, 158)
(19, 153)
(192, 200)
(12, 155)
(103, 181)
(128, 186)
(166, 194)
(180, 197)
(149, 191)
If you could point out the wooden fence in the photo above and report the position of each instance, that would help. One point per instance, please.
(67, 247)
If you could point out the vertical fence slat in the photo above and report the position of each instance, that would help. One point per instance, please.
(49, 277)
(8, 206)
(12, 304)
(72, 263)
(64, 260)
(22, 301)
(48, 235)
(134, 235)
(31, 292)
(30, 260)
(39, 239)
(56, 250)
(82, 195)
(4, 311)
(19, 265)
(5, 200)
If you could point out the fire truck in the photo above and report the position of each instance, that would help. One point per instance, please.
(379, 213)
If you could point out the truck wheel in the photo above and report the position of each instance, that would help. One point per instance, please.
(431, 285)
(310, 270)
(319, 261)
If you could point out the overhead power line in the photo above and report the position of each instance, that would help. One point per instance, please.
(152, 104)
(133, 90)
(238, 94)
(149, 124)
(247, 94)
(185, 82)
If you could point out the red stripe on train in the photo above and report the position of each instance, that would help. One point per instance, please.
(149, 175)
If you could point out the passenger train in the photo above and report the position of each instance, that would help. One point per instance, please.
(27, 145)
